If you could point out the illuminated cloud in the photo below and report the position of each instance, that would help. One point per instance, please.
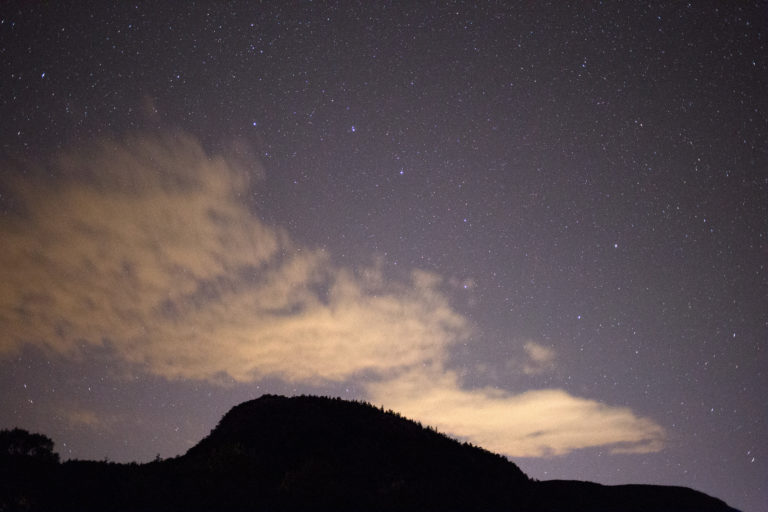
(146, 247)
(530, 424)
(84, 418)
(539, 358)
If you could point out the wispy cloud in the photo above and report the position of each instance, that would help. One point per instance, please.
(530, 424)
(539, 358)
(86, 418)
(147, 246)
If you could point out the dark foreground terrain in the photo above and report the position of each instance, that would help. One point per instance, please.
(311, 453)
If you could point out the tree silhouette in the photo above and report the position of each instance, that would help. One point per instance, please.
(28, 467)
(20, 443)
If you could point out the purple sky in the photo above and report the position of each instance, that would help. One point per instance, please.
(540, 228)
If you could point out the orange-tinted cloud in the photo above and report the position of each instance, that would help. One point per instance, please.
(146, 245)
(530, 424)
(539, 358)
(86, 418)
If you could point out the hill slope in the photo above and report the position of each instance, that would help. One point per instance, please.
(311, 453)
(334, 453)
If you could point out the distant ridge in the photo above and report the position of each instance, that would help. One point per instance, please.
(313, 453)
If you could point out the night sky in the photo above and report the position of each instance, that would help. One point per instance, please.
(540, 227)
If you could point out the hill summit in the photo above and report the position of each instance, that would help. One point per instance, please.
(334, 452)
(311, 453)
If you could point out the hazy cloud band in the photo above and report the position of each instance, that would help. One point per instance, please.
(148, 247)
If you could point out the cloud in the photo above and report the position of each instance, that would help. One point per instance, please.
(533, 359)
(147, 247)
(539, 358)
(530, 424)
(84, 418)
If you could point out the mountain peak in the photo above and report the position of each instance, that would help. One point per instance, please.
(315, 453)
(321, 447)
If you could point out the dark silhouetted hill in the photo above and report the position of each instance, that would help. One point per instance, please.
(312, 453)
